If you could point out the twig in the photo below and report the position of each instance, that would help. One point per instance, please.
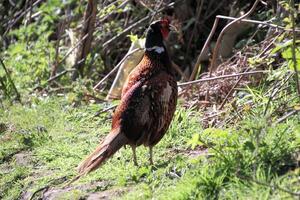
(126, 30)
(196, 67)
(218, 43)
(108, 15)
(230, 91)
(104, 110)
(51, 182)
(287, 94)
(222, 77)
(60, 74)
(146, 6)
(61, 27)
(45, 188)
(94, 97)
(198, 13)
(292, 7)
(20, 16)
(54, 78)
(289, 74)
(211, 116)
(265, 23)
(27, 22)
(275, 90)
(18, 97)
(211, 11)
(116, 67)
(87, 29)
(72, 49)
(269, 45)
(286, 116)
(177, 68)
(123, 33)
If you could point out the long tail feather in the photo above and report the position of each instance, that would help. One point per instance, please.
(111, 144)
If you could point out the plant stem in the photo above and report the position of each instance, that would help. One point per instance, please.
(18, 97)
(292, 5)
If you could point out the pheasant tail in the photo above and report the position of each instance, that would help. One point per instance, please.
(110, 145)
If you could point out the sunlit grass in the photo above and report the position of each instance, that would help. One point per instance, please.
(56, 137)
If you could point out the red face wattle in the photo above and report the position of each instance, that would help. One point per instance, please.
(164, 28)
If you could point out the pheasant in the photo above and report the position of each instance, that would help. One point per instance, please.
(148, 102)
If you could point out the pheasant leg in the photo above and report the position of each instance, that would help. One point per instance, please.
(134, 155)
(150, 156)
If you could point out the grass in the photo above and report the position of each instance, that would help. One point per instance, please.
(42, 143)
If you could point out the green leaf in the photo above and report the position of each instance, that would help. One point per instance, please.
(287, 54)
(283, 45)
(194, 141)
(291, 64)
(133, 38)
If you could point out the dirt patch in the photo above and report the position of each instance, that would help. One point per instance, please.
(7, 127)
(30, 193)
(23, 158)
(90, 191)
(5, 168)
(108, 194)
(198, 151)
(85, 191)
(192, 153)
(56, 193)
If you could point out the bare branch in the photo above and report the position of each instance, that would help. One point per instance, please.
(231, 90)
(179, 71)
(60, 74)
(222, 77)
(72, 49)
(115, 68)
(198, 13)
(105, 110)
(265, 23)
(196, 67)
(216, 49)
(275, 90)
(87, 29)
(128, 29)
(286, 116)
(20, 16)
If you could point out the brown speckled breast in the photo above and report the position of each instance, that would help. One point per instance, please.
(148, 102)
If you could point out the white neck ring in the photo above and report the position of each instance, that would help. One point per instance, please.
(157, 49)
